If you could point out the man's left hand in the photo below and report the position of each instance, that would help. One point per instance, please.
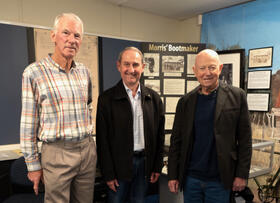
(154, 177)
(238, 184)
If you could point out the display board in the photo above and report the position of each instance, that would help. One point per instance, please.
(168, 71)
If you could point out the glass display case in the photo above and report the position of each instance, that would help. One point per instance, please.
(262, 157)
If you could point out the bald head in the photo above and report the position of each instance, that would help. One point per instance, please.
(207, 53)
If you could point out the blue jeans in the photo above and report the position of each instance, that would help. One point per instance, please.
(133, 191)
(199, 191)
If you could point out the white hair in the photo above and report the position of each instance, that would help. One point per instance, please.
(209, 52)
(70, 15)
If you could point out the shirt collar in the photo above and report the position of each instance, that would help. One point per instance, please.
(73, 65)
(129, 90)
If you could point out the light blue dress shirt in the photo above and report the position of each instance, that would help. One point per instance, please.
(138, 125)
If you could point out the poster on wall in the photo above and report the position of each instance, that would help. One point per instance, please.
(168, 71)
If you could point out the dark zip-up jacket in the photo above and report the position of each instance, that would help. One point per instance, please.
(114, 132)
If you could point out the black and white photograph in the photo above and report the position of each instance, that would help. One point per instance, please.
(151, 64)
(173, 64)
(234, 63)
(153, 84)
(226, 74)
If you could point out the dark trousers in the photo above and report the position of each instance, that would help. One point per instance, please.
(133, 191)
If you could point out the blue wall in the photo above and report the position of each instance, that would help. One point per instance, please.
(14, 59)
(252, 25)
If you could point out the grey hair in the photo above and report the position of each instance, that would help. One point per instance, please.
(131, 48)
(70, 15)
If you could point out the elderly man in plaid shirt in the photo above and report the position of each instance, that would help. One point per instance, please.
(56, 98)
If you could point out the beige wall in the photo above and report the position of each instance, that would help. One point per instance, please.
(189, 31)
(102, 18)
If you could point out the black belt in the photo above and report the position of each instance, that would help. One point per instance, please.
(139, 153)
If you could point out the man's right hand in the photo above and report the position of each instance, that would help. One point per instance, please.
(112, 184)
(35, 177)
(173, 186)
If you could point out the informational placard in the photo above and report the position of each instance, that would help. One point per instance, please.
(171, 103)
(258, 101)
(174, 86)
(169, 119)
(259, 79)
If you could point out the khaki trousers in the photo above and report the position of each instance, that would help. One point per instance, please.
(69, 171)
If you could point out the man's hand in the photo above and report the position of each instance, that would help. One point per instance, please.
(238, 184)
(35, 177)
(173, 186)
(112, 184)
(154, 177)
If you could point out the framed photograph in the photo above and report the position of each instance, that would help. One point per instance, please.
(233, 66)
(151, 64)
(259, 79)
(261, 57)
(258, 101)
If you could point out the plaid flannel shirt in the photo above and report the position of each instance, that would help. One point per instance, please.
(55, 106)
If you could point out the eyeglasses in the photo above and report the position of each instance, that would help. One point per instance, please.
(210, 68)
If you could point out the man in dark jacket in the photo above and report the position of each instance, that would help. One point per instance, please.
(130, 132)
(211, 144)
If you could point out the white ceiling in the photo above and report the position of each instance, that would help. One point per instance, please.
(177, 9)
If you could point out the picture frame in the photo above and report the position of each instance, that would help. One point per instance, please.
(258, 101)
(233, 66)
(259, 79)
(260, 57)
